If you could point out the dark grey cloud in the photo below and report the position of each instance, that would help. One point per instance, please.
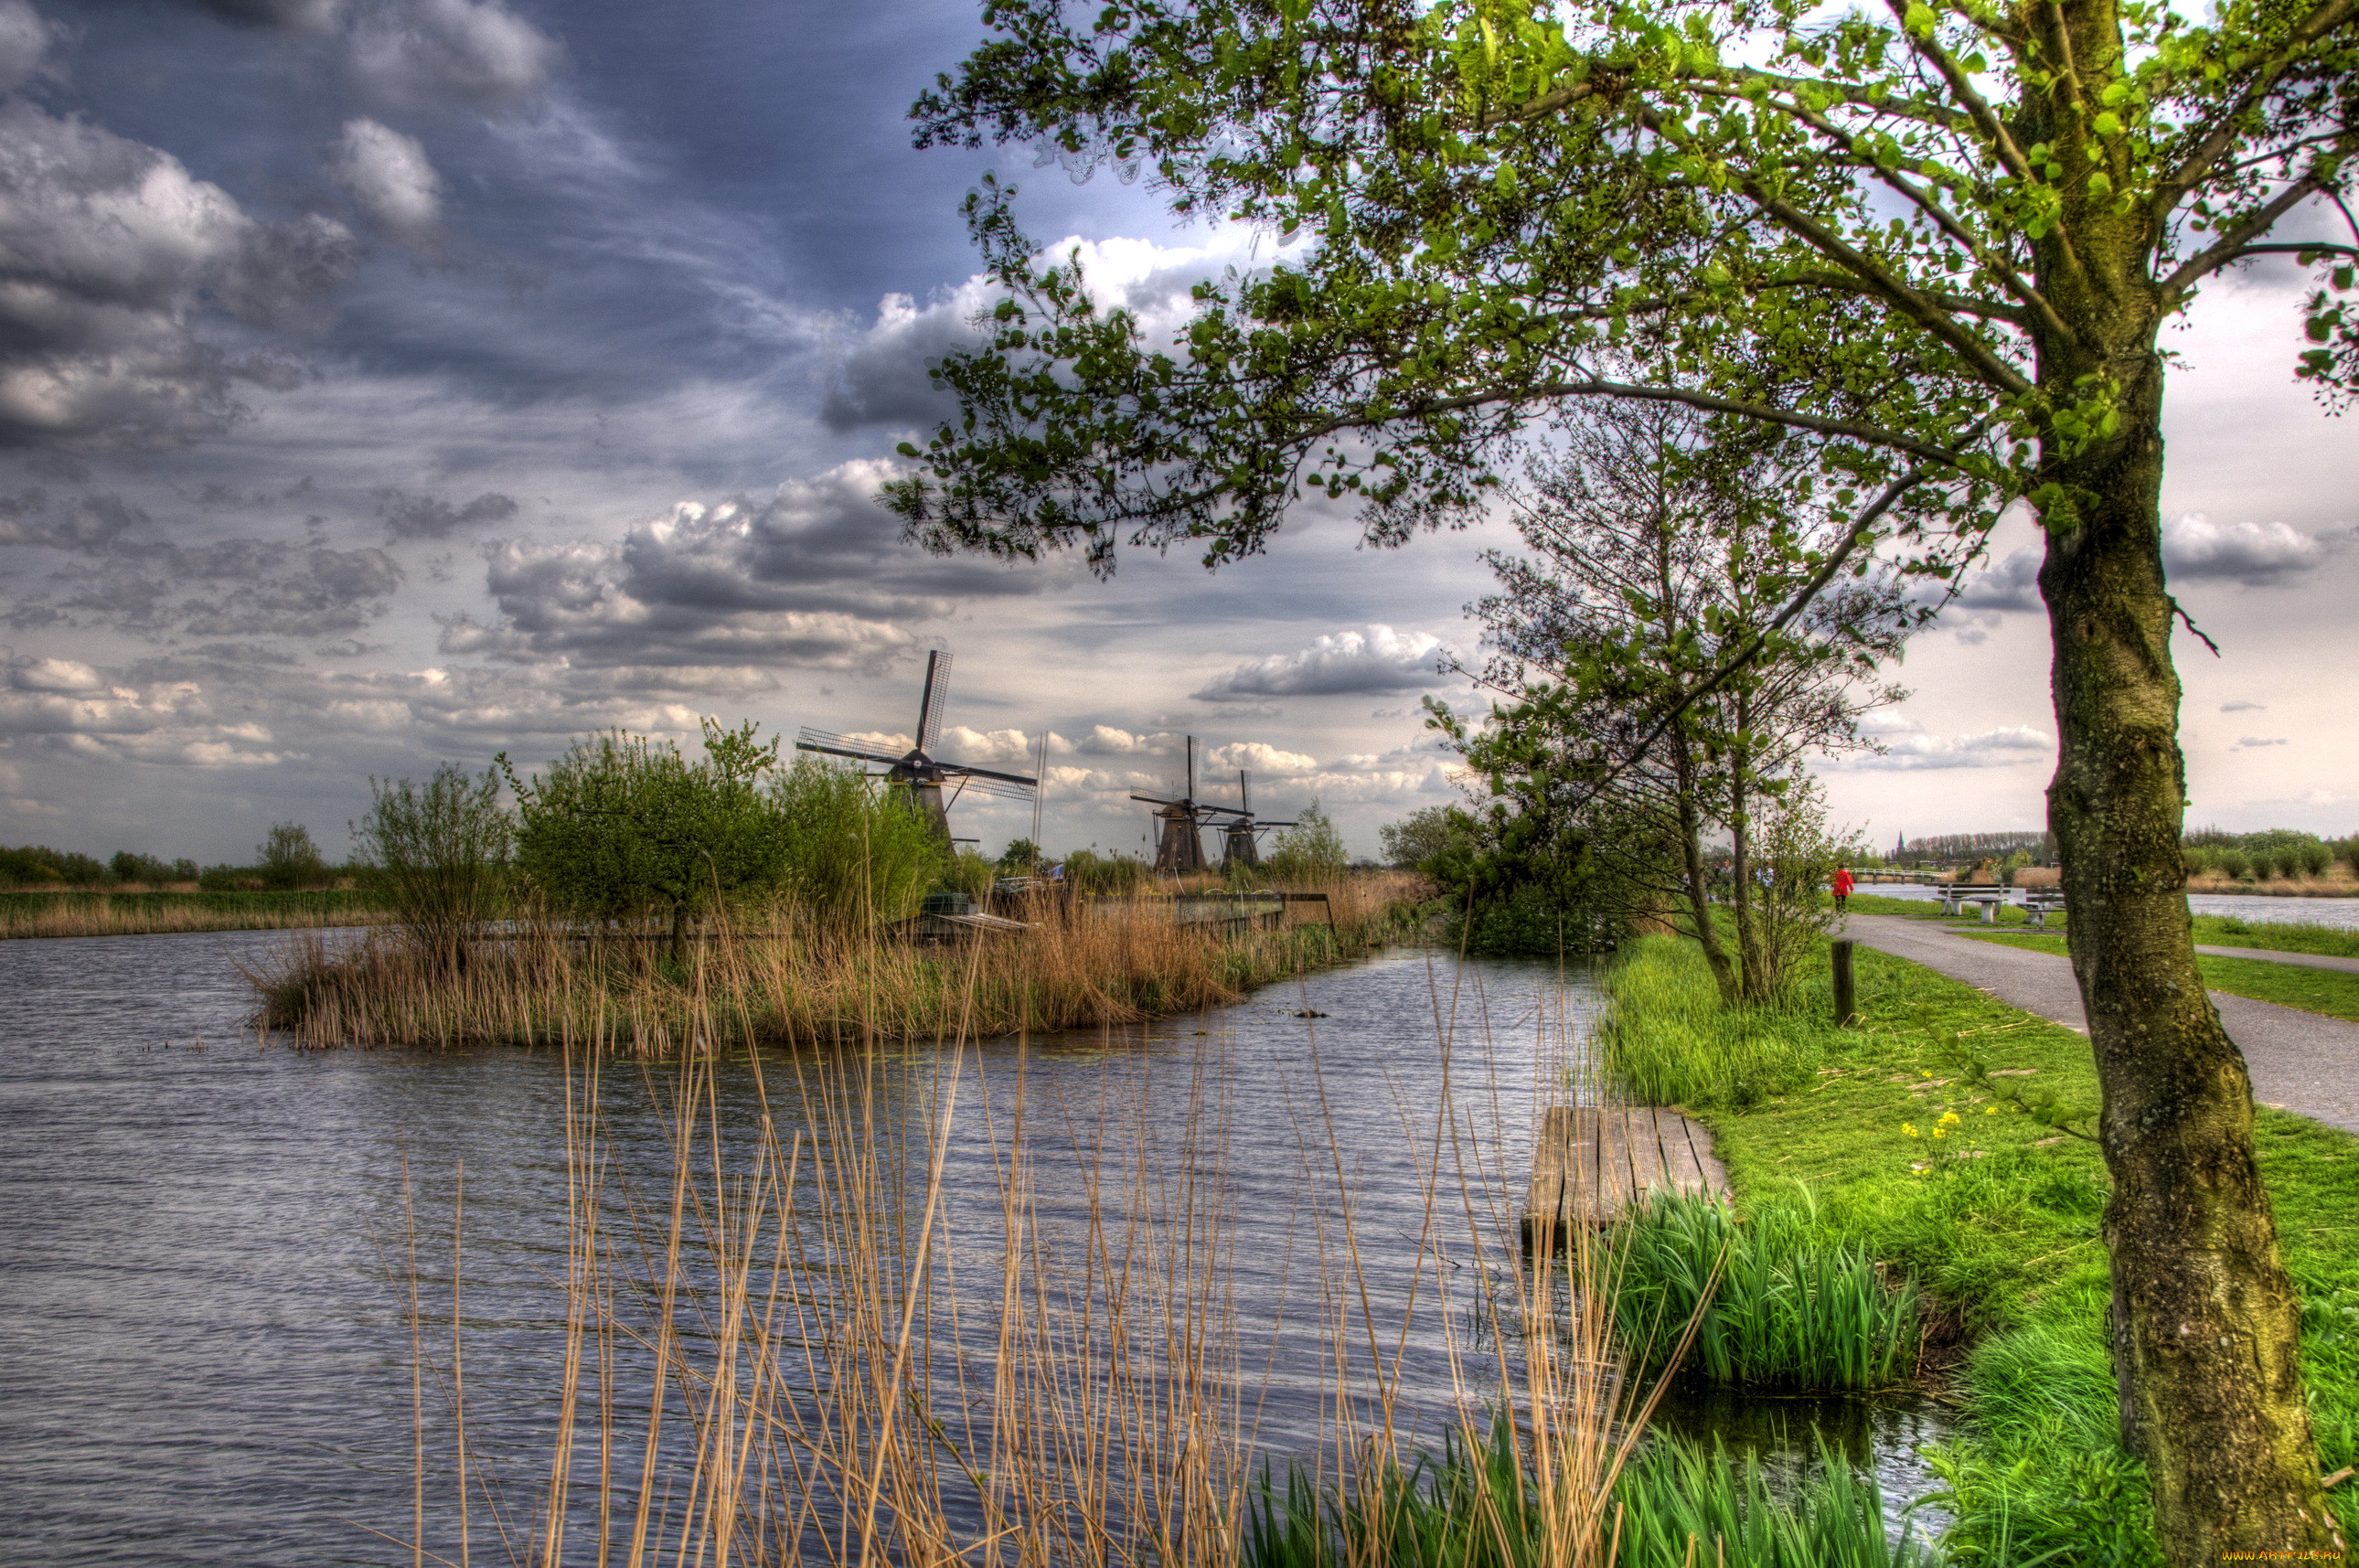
(816, 576)
(885, 379)
(111, 249)
(91, 525)
(122, 572)
(2243, 707)
(2257, 555)
(1363, 663)
(290, 15)
(2009, 585)
(432, 517)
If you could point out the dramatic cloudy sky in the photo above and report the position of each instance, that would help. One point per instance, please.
(389, 381)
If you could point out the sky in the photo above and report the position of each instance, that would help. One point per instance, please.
(392, 382)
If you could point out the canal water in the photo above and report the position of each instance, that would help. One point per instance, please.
(2342, 914)
(205, 1241)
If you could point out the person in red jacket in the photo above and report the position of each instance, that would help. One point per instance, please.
(1843, 886)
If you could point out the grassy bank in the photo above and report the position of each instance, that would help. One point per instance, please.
(796, 984)
(2327, 991)
(31, 914)
(1870, 1137)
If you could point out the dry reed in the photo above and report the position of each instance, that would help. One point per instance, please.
(829, 1356)
(546, 982)
(150, 914)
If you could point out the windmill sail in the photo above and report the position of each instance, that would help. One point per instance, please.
(918, 771)
(937, 698)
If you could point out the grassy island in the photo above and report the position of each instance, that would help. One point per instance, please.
(775, 977)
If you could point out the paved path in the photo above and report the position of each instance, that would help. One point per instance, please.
(2306, 960)
(2299, 1062)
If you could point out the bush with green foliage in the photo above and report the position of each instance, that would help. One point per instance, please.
(1310, 853)
(625, 828)
(130, 865)
(855, 853)
(287, 859)
(1022, 857)
(39, 865)
(438, 854)
(1106, 875)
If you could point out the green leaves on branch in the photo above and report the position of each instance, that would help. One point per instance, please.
(1889, 229)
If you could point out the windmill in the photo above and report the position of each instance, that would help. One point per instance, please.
(920, 773)
(1240, 835)
(1180, 842)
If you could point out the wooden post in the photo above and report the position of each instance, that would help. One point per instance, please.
(1846, 987)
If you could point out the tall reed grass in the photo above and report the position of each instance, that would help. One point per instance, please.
(546, 982)
(812, 1349)
(119, 913)
(1775, 1304)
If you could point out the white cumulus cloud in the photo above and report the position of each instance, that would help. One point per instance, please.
(2255, 554)
(1378, 660)
(387, 175)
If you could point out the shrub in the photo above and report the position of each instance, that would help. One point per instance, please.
(2347, 850)
(2315, 858)
(1308, 854)
(855, 853)
(287, 859)
(439, 855)
(2232, 863)
(1106, 875)
(2199, 859)
(624, 827)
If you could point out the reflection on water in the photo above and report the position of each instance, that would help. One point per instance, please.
(1884, 1434)
(204, 1352)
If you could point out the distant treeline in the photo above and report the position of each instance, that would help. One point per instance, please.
(1978, 847)
(286, 861)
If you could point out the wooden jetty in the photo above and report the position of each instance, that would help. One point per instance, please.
(1590, 1160)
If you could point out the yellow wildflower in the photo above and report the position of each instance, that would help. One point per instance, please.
(1908, 1129)
(1940, 1132)
(1950, 1119)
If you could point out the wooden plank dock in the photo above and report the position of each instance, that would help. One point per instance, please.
(1590, 1161)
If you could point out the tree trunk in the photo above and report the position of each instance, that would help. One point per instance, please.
(1740, 864)
(2206, 1322)
(1699, 888)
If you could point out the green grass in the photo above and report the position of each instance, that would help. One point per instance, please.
(2328, 990)
(1479, 1507)
(1792, 1311)
(2277, 936)
(1997, 1221)
(1667, 1043)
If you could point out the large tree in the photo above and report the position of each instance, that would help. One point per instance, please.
(1940, 240)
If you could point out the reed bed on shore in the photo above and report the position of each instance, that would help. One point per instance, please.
(773, 979)
(116, 913)
(817, 1347)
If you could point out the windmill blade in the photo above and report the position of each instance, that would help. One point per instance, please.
(1245, 790)
(996, 787)
(1191, 770)
(807, 743)
(937, 698)
(964, 772)
(1155, 800)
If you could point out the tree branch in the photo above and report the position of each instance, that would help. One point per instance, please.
(1598, 388)
(2324, 18)
(2238, 239)
(1994, 131)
